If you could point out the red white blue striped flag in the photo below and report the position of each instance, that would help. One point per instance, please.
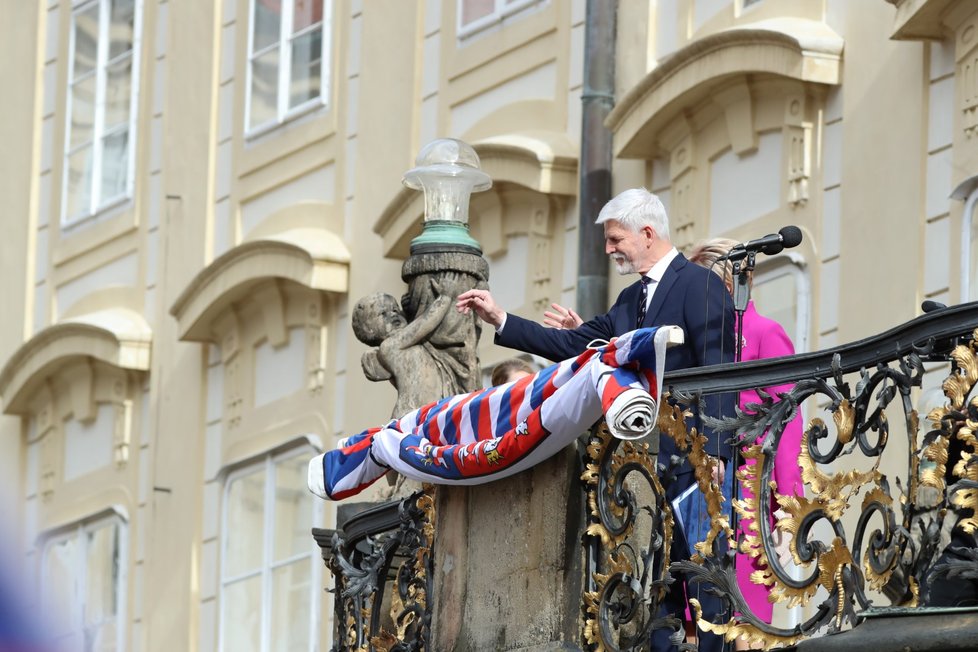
(493, 433)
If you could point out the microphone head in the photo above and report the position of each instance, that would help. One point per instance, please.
(790, 236)
(773, 249)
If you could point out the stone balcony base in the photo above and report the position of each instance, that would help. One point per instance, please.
(902, 630)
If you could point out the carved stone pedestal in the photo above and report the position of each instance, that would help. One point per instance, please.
(896, 630)
(508, 565)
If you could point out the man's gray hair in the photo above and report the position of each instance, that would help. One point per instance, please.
(635, 208)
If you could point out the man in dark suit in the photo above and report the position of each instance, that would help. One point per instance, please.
(671, 291)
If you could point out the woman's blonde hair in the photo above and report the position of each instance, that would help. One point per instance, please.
(705, 253)
(502, 371)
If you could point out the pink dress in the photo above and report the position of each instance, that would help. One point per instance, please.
(765, 338)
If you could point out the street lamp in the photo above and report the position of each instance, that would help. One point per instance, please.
(448, 172)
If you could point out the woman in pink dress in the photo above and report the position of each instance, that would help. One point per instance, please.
(762, 338)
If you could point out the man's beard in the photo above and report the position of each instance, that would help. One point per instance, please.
(623, 265)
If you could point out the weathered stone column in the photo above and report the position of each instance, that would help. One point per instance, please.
(507, 554)
(508, 562)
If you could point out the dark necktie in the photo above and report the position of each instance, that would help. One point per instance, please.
(643, 299)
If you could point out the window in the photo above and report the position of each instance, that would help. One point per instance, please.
(781, 292)
(476, 15)
(971, 263)
(270, 583)
(83, 584)
(102, 87)
(287, 73)
(969, 245)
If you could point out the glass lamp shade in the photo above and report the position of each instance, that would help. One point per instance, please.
(448, 172)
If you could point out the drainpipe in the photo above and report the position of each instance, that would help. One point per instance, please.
(594, 169)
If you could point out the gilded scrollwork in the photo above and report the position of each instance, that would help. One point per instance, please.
(410, 611)
(628, 571)
(361, 569)
(955, 425)
(882, 541)
(859, 536)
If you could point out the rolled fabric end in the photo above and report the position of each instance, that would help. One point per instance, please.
(315, 478)
(632, 415)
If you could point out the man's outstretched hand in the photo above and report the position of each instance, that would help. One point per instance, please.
(561, 317)
(482, 303)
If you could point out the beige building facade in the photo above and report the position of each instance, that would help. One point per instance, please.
(196, 194)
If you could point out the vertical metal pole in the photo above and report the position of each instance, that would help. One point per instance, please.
(597, 100)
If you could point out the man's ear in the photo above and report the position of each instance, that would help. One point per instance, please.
(649, 233)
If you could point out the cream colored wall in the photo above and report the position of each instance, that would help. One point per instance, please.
(170, 571)
(17, 184)
(883, 161)
(384, 132)
(885, 200)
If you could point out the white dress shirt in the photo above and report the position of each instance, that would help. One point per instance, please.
(656, 272)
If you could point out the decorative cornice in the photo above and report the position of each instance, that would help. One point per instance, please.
(545, 162)
(804, 50)
(313, 257)
(115, 336)
(922, 20)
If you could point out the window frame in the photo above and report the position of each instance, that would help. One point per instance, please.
(283, 113)
(969, 290)
(79, 531)
(267, 463)
(501, 11)
(96, 206)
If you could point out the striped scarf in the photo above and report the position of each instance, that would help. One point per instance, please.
(493, 433)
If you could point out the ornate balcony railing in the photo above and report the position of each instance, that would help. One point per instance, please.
(855, 542)
(381, 561)
(865, 537)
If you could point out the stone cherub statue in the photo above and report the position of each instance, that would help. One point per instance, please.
(425, 349)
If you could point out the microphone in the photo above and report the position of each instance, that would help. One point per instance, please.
(931, 306)
(775, 243)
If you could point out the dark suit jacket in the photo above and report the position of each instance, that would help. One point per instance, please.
(688, 296)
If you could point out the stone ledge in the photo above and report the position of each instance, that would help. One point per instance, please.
(898, 630)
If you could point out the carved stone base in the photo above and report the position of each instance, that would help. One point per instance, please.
(897, 630)
(508, 561)
(445, 260)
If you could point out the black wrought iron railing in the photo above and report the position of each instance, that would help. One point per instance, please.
(888, 511)
(867, 532)
(381, 563)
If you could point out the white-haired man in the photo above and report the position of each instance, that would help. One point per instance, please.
(670, 291)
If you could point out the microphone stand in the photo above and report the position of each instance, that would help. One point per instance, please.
(741, 296)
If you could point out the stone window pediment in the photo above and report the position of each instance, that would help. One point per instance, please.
(924, 20)
(312, 257)
(730, 108)
(787, 48)
(77, 385)
(265, 307)
(118, 337)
